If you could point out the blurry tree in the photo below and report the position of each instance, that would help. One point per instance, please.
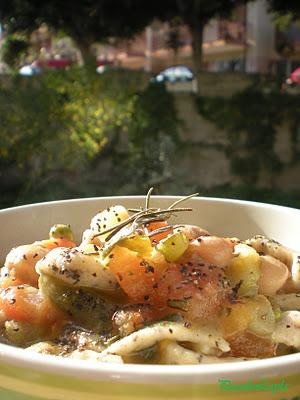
(290, 8)
(196, 14)
(285, 13)
(13, 49)
(88, 133)
(60, 120)
(88, 21)
(173, 41)
(173, 38)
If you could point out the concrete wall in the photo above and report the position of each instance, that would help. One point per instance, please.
(204, 153)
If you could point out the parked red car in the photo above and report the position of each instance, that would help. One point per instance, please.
(57, 63)
(294, 77)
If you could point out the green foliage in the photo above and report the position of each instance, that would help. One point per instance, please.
(58, 129)
(152, 136)
(284, 7)
(13, 49)
(60, 119)
(282, 21)
(251, 118)
(246, 192)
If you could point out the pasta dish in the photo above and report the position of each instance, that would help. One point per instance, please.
(140, 289)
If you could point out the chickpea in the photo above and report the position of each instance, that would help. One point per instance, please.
(61, 231)
(274, 274)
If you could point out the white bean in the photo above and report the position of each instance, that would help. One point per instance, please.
(274, 274)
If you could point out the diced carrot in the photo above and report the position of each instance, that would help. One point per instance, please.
(134, 274)
(238, 317)
(53, 243)
(26, 304)
(194, 290)
(156, 225)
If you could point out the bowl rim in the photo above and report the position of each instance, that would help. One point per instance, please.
(141, 373)
(141, 197)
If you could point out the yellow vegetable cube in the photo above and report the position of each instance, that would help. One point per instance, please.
(245, 268)
(253, 314)
(173, 246)
(237, 317)
(138, 243)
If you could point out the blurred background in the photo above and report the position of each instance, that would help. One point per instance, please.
(110, 97)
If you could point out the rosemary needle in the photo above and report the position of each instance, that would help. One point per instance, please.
(183, 199)
(164, 229)
(117, 227)
(148, 198)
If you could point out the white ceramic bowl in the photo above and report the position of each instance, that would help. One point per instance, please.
(25, 376)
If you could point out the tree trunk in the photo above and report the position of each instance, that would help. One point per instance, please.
(88, 59)
(175, 57)
(197, 37)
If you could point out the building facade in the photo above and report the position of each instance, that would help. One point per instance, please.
(248, 42)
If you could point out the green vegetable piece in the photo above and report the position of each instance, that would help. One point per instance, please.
(61, 231)
(173, 246)
(245, 269)
(85, 307)
(263, 318)
(24, 334)
(148, 353)
(277, 311)
(182, 305)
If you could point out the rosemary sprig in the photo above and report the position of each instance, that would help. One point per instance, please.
(149, 215)
(159, 215)
(137, 222)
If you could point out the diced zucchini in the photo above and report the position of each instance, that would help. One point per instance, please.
(182, 305)
(138, 243)
(24, 334)
(173, 246)
(61, 231)
(245, 268)
(85, 307)
(263, 319)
